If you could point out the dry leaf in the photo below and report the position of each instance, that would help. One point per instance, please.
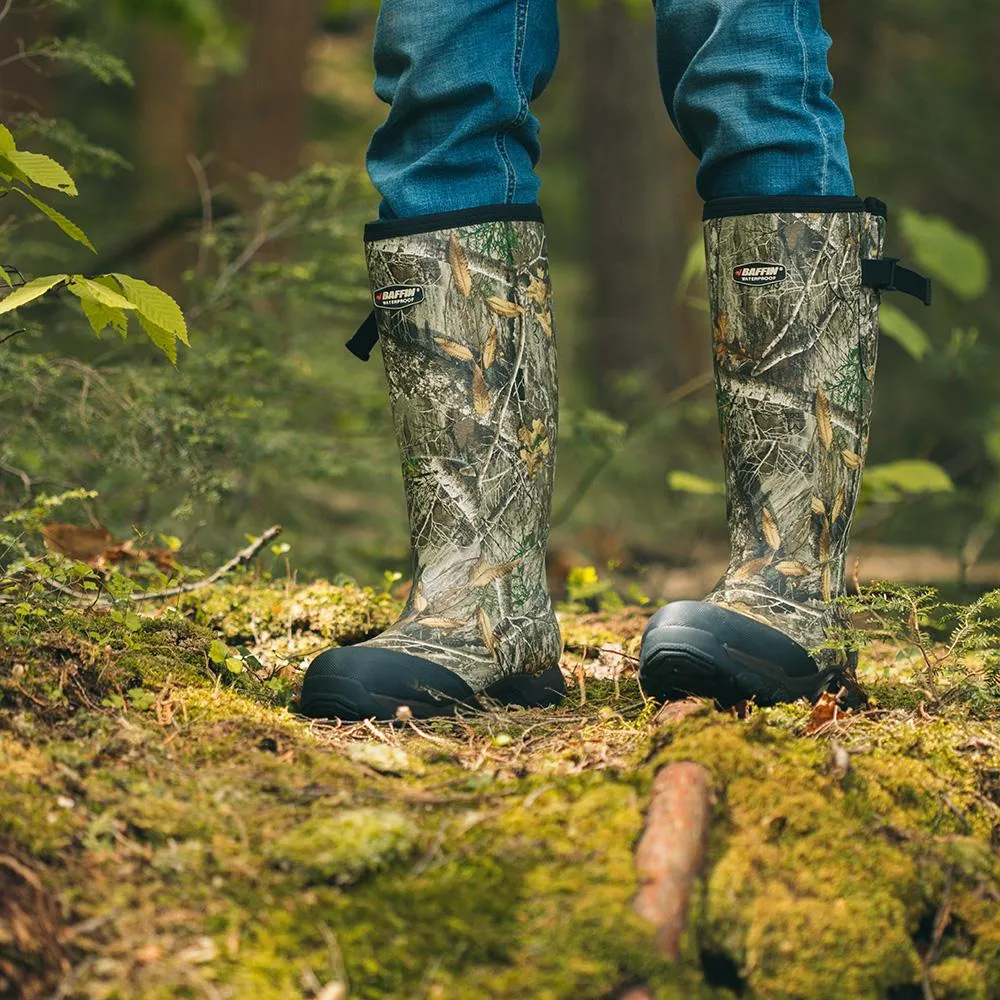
(456, 350)
(480, 394)
(826, 710)
(817, 506)
(545, 322)
(485, 628)
(482, 574)
(490, 350)
(789, 567)
(770, 528)
(504, 308)
(459, 267)
(824, 425)
(440, 623)
(851, 459)
(838, 505)
(752, 568)
(419, 601)
(83, 544)
(827, 587)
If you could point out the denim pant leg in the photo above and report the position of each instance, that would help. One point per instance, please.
(747, 86)
(458, 79)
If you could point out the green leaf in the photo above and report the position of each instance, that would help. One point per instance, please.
(11, 172)
(894, 479)
(694, 264)
(6, 277)
(31, 291)
(234, 664)
(101, 317)
(42, 170)
(7, 144)
(688, 482)
(218, 652)
(70, 228)
(900, 328)
(97, 292)
(163, 339)
(103, 306)
(951, 256)
(154, 303)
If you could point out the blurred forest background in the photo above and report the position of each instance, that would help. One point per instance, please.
(219, 150)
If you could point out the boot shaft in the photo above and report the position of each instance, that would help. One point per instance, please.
(795, 334)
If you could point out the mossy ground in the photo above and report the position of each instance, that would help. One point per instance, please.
(167, 832)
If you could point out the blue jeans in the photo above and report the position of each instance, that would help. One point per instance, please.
(745, 83)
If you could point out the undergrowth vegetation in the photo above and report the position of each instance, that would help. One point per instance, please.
(170, 828)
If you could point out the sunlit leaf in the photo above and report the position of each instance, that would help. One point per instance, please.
(907, 476)
(955, 258)
(87, 289)
(42, 170)
(694, 264)
(899, 327)
(31, 291)
(688, 482)
(155, 305)
(163, 339)
(70, 228)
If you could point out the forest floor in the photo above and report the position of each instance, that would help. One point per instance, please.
(170, 828)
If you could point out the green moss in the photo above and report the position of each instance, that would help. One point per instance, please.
(345, 846)
(214, 843)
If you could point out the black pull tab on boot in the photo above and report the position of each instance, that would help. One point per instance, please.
(885, 274)
(362, 343)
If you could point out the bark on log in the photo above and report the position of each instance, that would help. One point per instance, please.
(672, 850)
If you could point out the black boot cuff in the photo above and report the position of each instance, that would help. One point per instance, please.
(387, 228)
(768, 204)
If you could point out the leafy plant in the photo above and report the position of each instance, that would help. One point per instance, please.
(953, 650)
(108, 299)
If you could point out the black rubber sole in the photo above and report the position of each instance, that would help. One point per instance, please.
(691, 648)
(355, 682)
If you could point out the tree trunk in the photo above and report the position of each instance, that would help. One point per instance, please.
(640, 196)
(261, 113)
(166, 106)
(25, 87)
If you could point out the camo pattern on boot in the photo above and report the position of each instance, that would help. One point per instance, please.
(794, 368)
(472, 381)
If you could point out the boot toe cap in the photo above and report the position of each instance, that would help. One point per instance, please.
(363, 682)
(704, 649)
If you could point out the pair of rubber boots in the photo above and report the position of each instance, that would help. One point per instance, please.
(463, 313)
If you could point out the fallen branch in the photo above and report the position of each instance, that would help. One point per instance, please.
(672, 850)
(242, 557)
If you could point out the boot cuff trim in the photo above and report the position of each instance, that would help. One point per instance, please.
(386, 228)
(767, 205)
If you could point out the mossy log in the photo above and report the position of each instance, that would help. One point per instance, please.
(170, 828)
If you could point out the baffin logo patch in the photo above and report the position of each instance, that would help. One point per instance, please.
(758, 273)
(398, 296)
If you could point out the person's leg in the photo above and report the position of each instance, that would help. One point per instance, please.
(460, 284)
(459, 79)
(747, 85)
(793, 277)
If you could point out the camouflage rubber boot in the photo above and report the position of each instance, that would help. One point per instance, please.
(464, 317)
(794, 284)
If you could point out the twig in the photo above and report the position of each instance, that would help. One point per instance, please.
(207, 221)
(10, 336)
(241, 557)
(20, 474)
